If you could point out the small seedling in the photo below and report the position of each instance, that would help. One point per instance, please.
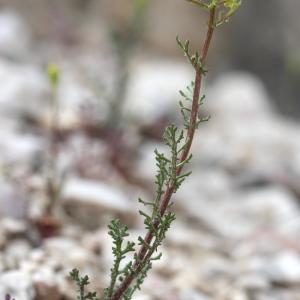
(125, 43)
(53, 180)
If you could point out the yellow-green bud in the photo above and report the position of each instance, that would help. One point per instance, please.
(140, 4)
(53, 74)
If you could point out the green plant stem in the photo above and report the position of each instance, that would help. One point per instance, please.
(52, 153)
(144, 253)
(115, 270)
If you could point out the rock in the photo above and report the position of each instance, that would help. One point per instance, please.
(276, 205)
(24, 91)
(38, 255)
(277, 294)
(153, 90)
(16, 252)
(47, 283)
(271, 205)
(12, 202)
(20, 148)
(18, 284)
(142, 297)
(15, 36)
(253, 282)
(218, 267)
(234, 295)
(190, 294)
(186, 279)
(157, 287)
(13, 227)
(212, 183)
(45, 291)
(92, 203)
(284, 268)
(238, 95)
(57, 248)
(183, 236)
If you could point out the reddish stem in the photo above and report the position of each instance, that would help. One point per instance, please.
(171, 188)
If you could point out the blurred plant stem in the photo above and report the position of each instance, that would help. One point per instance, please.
(125, 43)
(53, 182)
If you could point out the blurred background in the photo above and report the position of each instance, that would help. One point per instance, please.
(77, 140)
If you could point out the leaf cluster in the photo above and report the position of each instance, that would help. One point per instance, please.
(119, 232)
(82, 283)
(185, 106)
(226, 8)
(194, 59)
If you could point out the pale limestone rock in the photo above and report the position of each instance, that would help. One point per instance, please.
(24, 91)
(17, 283)
(284, 268)
(238, 95)
(153, 91)
(15, 36)
(93, 203)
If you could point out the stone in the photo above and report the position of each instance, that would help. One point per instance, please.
(272, 204)
(48, 283)
(18, 284)
(183, 236)
(141, 296)
(153, 90)
(15, 36)
(277, 294)
(92, 203)
(24, 92)
(238, 94)
(12, 202)
(253, 282)
(57, 248)
(16, 252)
(284, 268)
(218, 267)
(185, 279)
(275, 205)
(191, 294)
(156, 287)
(13, 227)
(20, 149)
(212, 183)
(46, 291)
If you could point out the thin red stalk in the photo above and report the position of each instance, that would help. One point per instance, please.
(190, 135)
